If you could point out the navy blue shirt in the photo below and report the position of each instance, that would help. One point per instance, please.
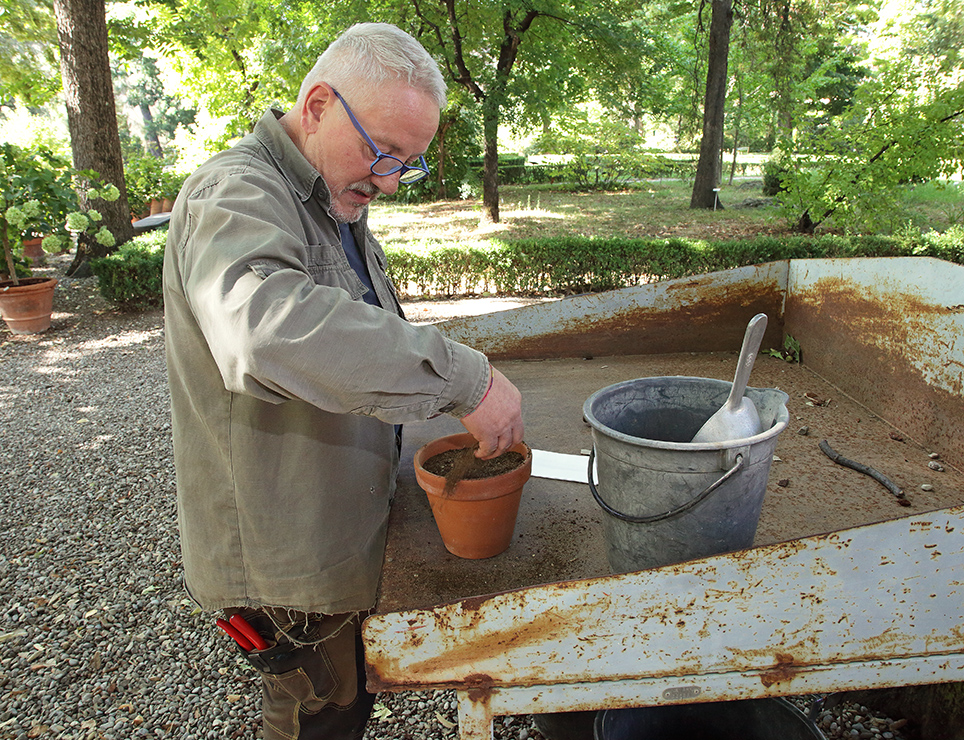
(357, 264)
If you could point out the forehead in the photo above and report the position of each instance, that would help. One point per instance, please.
(400, 119)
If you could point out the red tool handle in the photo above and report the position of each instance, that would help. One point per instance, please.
(243, 641)
(239, 623)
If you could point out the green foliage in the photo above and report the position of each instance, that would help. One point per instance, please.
(906, 126)
(775, 171)
(567, 265)
(597, 153)
(28, 52)
(790, 351)
(455, 177)
(36, 173)
(147, 178)
(35, 198)
(131, 277)
(237, 58)
(162, 114)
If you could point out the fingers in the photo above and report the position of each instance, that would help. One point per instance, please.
(497, 422)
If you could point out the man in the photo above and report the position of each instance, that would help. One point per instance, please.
(290, 367)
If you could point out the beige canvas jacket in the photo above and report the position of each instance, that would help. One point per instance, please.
(285, 385)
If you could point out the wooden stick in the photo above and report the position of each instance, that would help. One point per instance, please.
(866, 470)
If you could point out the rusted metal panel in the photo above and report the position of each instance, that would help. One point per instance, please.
(877, 595)
(890, 333)
(705, 313)
(477, 708)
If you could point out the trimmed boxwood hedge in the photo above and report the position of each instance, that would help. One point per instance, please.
(131, 277)
(566, 265)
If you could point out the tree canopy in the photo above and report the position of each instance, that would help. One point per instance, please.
(811, 79)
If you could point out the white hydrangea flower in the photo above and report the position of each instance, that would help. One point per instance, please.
(110, 193)
(31, 209)
(53, 242)
(77, 222)
(94, 216)
(15, 217)
(93, 194)
(104, 237)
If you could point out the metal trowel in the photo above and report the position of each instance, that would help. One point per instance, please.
(738, 417)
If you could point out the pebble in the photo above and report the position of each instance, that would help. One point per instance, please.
(98, 639)
(926, 487)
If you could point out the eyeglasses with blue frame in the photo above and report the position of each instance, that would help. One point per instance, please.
(386, 164)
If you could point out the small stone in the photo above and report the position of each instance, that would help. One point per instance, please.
(783, 482)
(803, 431)
(926, 487)
(934, 465)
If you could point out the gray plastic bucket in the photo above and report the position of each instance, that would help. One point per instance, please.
(667, 499)
(753, 719)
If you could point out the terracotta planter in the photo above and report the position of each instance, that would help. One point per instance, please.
(476, 519)
(26, 307)
(34, 251)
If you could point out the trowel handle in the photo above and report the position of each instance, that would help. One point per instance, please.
(752, 340)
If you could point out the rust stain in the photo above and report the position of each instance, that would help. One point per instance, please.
(542, 628)
(714, 322)
(478, 687)
(869, 345)
(785, 670)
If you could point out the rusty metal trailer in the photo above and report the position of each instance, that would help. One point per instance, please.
(843, 589)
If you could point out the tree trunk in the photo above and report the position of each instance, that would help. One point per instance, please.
(711, 145)
(736, 126)
(441, 192)
(91, 115)
(153, 141)
(490, 162)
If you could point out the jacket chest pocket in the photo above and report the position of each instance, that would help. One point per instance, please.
(328, 265)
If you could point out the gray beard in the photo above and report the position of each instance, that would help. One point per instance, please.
(354, 214)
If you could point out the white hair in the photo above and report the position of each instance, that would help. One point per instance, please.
(368, 55)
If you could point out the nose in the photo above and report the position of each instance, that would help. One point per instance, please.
(387, 184)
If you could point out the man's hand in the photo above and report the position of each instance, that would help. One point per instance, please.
(496, 422)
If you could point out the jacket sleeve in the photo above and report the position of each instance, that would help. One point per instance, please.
(281, 322)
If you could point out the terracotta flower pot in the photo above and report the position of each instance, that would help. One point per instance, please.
(26, 307)
(477, 518)
(34, 251)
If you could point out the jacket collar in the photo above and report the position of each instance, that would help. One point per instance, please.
(292, 164)
(294, 167)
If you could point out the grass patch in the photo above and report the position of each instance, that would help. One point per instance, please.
(655, 209)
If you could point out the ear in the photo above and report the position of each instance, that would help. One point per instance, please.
(319, 99)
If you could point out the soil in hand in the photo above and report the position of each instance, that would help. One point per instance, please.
(462, 464)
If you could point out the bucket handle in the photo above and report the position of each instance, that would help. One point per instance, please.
(738, 463)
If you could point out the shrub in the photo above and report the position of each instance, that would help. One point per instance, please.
(131, 277)
(567, 265)
(775, 171)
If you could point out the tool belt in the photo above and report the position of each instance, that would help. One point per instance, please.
(274, 660)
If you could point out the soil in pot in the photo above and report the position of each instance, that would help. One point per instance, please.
(462, 464)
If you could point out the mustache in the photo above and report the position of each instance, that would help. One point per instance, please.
(363, 187)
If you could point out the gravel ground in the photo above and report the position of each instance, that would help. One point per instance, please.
(97, 637)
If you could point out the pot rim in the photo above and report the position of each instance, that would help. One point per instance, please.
(476, 488)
